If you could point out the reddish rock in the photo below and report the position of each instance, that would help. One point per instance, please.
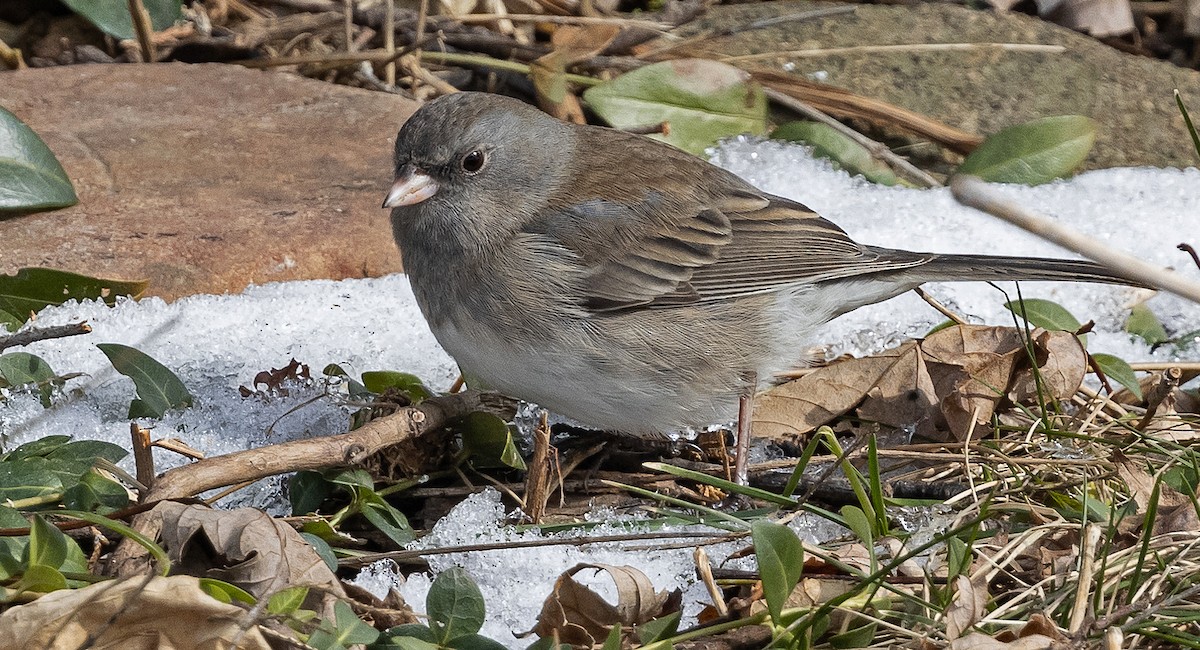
(204, 178)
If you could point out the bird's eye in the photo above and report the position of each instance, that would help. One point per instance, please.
(473, 161)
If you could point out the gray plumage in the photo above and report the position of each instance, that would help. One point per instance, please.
(621, 282)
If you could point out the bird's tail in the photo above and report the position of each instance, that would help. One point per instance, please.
(952, 268)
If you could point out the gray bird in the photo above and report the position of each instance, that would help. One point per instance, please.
(619, 281)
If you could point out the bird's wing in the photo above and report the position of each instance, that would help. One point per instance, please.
(659, 253)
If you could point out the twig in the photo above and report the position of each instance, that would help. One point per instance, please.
(1187, 248)
(877, 149)
(42, 334)
(974, 192)
(563, 20)
(942, 309)
(143, 458)
(918, 47)
(143, 28)
(389, 41)
(314, 453)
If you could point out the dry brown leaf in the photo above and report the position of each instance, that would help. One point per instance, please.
(245, 547)
(572, 43)
(130, 614)
(1061, 373)
(971, 365)
(968, 607)
(977, 641)
(801, 406)
(955, 380)
(579, 616)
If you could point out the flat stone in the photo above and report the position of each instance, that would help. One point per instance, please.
(205, 178)
(980, 88)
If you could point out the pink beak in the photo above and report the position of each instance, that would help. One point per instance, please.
(411, 187)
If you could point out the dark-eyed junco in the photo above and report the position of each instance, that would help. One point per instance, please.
(620, 282)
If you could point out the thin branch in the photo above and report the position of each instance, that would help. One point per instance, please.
(143, 28)
(42, 334)
(877, 149)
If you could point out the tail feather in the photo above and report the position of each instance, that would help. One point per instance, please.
(953, 268)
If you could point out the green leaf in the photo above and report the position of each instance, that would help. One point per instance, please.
(349, 631)
(858, 522)
(352, 478)
(474, 642)
(1187, 122)
(89, 451)
(95, 493)
(454, 605)
(49, 547)
(286, 601)
(379, 381)
(12, 549)
(383, 516)
(307, 490)
(660, 628)
(412, 630)
(489, 440)
(1033, 153)
(41, 578)
(20, 368)
(780, 561)
(701, 101)
(827, 142)
(112, 16)
(406, 642)
(37, 448)
(323, 549)
(1144, 324)
(859, 637)
(226, 592)
(158, 389)
(613, 641)
(1045, 314)
(1117, 370)
(28, 478)
(31, 178)
(31, 290)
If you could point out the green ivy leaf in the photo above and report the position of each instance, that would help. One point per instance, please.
(383, 516)
(1033, 153)
(350, 630)
(701, 101)
(159, 390)
(1117, 370)
(112, 16)
(1045, 314)
(323, 550)
(226, 592)
(1144, 324)
(287, 601)
(829, 143)
(489, 440)
(307, 490)
(780, 561)
(379, 381)
(30, 290)
(37, 448)
(454, 605)
(31, 178)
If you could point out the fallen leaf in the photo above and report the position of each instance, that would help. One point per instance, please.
(164, 613)
(245, 547)
(579, 616)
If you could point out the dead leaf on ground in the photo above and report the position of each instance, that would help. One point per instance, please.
(952, 381)
(572, 43)
(968, 606)
(170, 613)
(245, 547)
(579, 616)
